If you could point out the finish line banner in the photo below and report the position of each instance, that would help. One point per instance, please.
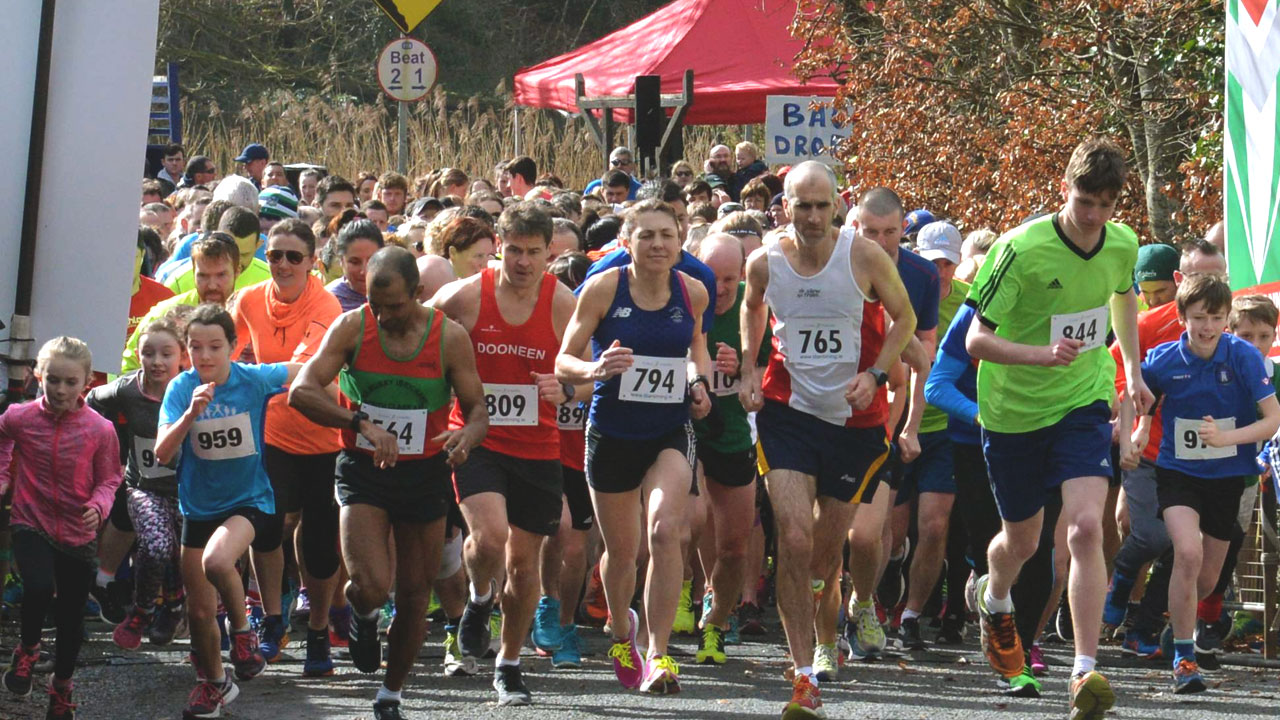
(1251, 165)
(799, 128)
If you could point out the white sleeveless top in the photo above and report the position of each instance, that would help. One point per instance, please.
(817, 328)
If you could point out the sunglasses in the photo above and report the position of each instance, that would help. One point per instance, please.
(618, 163)
(684, 173)
(293, 256)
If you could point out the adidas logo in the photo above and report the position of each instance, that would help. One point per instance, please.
(622, 312)
(1055, 285)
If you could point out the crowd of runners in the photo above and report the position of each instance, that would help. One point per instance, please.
(655, 408)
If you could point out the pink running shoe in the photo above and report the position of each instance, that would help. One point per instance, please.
(1038, 665)
(627, 664)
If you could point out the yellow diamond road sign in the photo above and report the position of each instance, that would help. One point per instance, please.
(407, 14)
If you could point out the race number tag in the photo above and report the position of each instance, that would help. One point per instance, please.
(821, 340)
(409, 427)
(224, 438)
(654, 380)
(144, 453)
(571, 416)
(722, 384)
(1189, 446)
(1089, 327)
(511, 404)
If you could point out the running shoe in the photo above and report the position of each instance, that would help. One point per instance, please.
(365, 645)
(627, 664)
(225, 639)
(685, 623)
(288, 597)
(546, 625)
(805, 703)
(1024, 685)
(208, 699)
(595, 611)
(1112, 615)
(1000, 640)
(971, 592)
(17, 677)
(825, 665)
(12, 597)
(387, 710)
(128, 634)
(474, 632)
(1137, 644)
(1187, 678)
(908, 636)
(1065, 627)
(60, 705)
(107, 599)
(1038, 666)
(569, 655)
(245, 657)
(1166, 641)
(731, 636)
(272, 638)
(707, 602)
(750, 619)
(435, 611)
(889, 591)
(340, 626)
(712, 650)
(866, 636)
(1091, 696)
(319, 662)
(1208, 638)
(510, 686)
(455, 663)
(386, 615)
(495, 633)
(661, 677)
(302, 610)
(164, 623)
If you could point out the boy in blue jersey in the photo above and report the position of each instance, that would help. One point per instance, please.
(1212, 386)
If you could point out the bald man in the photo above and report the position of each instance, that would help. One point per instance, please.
(434, 272)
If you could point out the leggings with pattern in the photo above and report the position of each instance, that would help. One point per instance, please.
(158, 524)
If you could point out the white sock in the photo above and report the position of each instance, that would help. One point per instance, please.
(385, 694)
(1084, 665)
(997, 605)
(909, 614)
(476, 597)
(808, 670)
(104, 578)
(503, 662)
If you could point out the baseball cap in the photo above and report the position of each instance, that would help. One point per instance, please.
(253, 151)
(715, 180)
(776, 201)
(729, 207)
(1156, 261)
(939, 240)
(917, 219)
(278, 203)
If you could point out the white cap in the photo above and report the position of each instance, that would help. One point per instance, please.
(939, 240)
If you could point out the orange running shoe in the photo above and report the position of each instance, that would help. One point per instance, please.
(1000, 640)
(805, 703)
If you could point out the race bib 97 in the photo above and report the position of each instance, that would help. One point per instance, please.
(1089, 327)
(654, 380)
(821, 340)
(511, 404)
(1189, 446)
(224, 438)
(144, 454)
(409, 427)
(571, 415)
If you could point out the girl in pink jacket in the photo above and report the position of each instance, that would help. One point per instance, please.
(64, 481)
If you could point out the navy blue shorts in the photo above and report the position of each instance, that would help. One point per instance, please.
(843, 460)
(1026, 467)
(933, 471)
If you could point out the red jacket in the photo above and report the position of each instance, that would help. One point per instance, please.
(65, 464)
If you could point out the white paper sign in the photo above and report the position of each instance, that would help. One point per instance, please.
(799, 128)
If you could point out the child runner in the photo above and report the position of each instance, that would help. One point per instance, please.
(68, 472)
(132, 402)
(213, 415)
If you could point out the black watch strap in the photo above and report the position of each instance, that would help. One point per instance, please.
(356, 418)
(881, 377)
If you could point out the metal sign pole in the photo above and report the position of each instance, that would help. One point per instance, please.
(402, 131)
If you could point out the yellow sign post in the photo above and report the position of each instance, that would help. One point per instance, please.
(407, 14)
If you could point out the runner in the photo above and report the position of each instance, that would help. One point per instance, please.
(397, 363)
(132, 402)
(63, 487)
(356, 243)
(644, 325)
(284, 319)
(212, 415)
(815, 380)
(1046, 298)
(510, 488)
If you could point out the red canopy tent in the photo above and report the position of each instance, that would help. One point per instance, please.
(740, 51)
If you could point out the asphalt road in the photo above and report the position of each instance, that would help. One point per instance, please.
(934, 685)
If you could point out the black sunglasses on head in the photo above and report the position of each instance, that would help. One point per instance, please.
(295, 257)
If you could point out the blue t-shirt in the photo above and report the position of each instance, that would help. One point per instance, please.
(687, 264)
(953, 383)
(1227, 386)
(182, 251)
(220, 468)
(595, 185)
(921, 279)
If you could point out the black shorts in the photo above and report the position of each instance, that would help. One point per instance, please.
(291, 475)
(844, 461)
(532, 487)
(736, 469)
(617, 465)
(196, 533)
(416, 491)
(1217, 500)
(578, 496)
(120, 510)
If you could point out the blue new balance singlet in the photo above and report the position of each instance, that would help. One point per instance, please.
(651, 386)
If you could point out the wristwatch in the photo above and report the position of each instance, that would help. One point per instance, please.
(356, 418)
(881, 377)
(569, 391)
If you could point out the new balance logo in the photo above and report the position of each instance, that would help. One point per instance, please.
(622, 312)
(1055, 285)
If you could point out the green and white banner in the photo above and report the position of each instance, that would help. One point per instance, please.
(1252, 162)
